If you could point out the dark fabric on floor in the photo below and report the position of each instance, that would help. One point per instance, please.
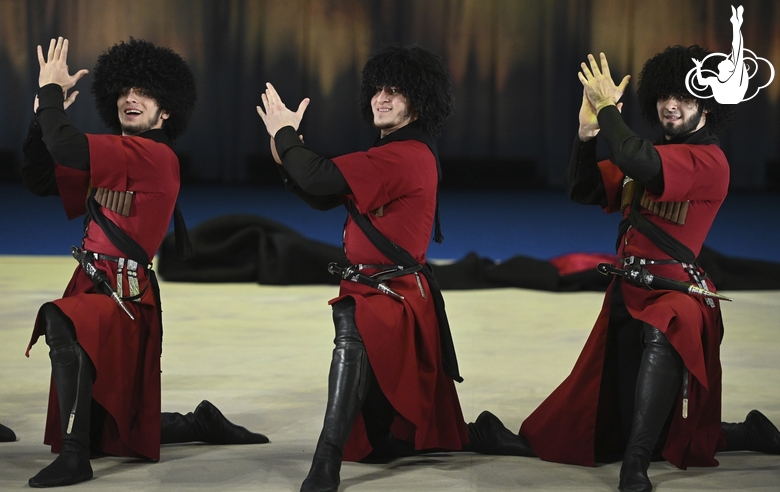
(249, 248)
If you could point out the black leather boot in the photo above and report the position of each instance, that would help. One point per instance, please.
(6, 434)
(488, 435)
(756, 433)
(206, 424)
(347, 389)
(72, 372)
(657, 385)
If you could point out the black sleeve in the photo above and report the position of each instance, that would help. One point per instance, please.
(65, 143)
(315, 175)
(38, 168)
(583, 179)
(635, 156)
(317, 202)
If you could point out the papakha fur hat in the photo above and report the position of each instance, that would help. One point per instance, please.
(664, 75)
(158, 71)
(416, 73)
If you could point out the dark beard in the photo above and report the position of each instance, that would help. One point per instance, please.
(689, 126)
(141, 127)
(385, 126)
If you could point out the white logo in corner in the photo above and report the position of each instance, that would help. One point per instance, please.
(730, 84)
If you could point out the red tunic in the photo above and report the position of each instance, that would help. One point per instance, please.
(401, 336)
(125, 353)
(563, 427)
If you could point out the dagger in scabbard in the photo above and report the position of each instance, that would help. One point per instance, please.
(98, 278)
(642, 277)
(352, 274)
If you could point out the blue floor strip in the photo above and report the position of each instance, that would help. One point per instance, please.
(494, 224)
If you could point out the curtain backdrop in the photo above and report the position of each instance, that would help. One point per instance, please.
(514, 65)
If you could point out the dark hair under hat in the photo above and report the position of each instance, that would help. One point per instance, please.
(664, 75)
(419, 75)
(159, 71)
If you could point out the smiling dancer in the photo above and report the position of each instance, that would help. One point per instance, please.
(105, 334)
(394, 363)
(647, 384)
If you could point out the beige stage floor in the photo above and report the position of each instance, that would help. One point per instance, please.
(262, 353)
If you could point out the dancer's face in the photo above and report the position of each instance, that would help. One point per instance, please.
(391, 110)
(680, 116)
(138, 112)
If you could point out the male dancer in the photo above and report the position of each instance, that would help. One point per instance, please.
(105, 334)
(648, 381)
(393, 363)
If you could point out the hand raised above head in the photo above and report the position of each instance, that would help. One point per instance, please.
(54, 68)
(276, 115)
(589, 123)
(600, 89)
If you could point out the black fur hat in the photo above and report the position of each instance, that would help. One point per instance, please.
(419, 75)
(664, 75)
(163, 74)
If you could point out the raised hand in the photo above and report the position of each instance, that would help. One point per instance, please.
(276, 115)
(54, 68)
(600, 90)
(589, 123)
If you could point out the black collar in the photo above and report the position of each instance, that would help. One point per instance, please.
(412, 131)
(158, 135)
(702, 136)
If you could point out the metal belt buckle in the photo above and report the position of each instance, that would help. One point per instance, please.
(120, 265)
(132, 278)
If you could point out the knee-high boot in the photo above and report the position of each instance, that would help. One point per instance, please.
(347, 389)
(657, 386)
(756, 433)
(72, 372)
